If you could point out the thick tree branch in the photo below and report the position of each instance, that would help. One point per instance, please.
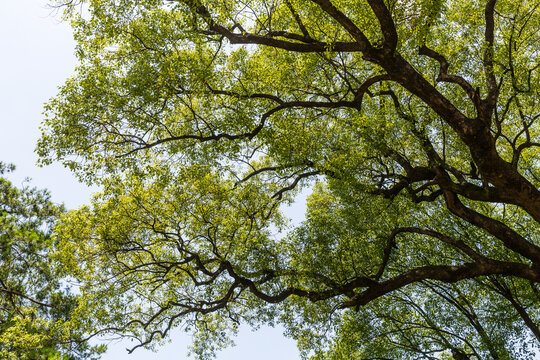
(311, 295)
(348, 25)
(475, 133)
(479, 193)
(511, 239)
(386, 22)
(444, 273)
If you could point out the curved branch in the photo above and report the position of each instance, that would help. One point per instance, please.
(444, 273)
(278, 195)
(364, 87)
(445, 77)
(313, 296)
(247, 135)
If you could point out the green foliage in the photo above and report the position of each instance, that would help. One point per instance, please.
(412, 124)
(423, 321)
(34, 306)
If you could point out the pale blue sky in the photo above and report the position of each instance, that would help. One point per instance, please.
(36, 57)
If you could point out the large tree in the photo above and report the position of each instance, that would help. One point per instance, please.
(412, 124)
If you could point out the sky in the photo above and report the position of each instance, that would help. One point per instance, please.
(36, 57)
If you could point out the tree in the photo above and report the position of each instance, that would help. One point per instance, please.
(414, 124)
(34, 302)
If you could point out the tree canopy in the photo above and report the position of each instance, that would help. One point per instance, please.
(413, 126)
(35, 302)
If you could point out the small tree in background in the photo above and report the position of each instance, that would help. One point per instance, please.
(35, 304)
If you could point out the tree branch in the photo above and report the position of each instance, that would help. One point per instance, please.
(445, 77)
(298, 20)
(348, 25)
(364, 87)
(503, 289)
(493, 89)
(249, 38)
(511, 239)
(444, 273)
(247, 135)
(459, 244)
(388, 27)
(21, 295)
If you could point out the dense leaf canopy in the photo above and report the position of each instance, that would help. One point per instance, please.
(413, 125)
